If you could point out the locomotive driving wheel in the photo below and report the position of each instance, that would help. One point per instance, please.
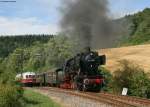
(78, 83)
(79, 86)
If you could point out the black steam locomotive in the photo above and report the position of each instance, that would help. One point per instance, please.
(81, 72)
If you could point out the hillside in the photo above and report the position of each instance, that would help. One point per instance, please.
(137, 27)
(37, 54)
(9, 43)
(139, 54)
(136, 33)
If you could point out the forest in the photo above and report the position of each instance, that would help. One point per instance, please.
(138, 26)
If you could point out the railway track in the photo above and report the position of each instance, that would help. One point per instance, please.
(140, 102)
(110, 99)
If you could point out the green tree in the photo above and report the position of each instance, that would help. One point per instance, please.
(50, 55)
(132, 77)
(37, 58)
(58, 50)
(139, 25)
(107, 79)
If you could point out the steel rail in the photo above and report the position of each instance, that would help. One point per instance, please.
(130, 99)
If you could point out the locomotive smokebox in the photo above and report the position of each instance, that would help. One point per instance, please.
(102, 59)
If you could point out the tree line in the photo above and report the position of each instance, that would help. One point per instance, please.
(9, 43)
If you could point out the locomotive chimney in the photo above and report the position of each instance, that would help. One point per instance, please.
(87, 49)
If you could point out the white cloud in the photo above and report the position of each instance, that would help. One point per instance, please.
(123, 13)
(9, 26)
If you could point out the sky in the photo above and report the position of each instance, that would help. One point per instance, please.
(43, 16)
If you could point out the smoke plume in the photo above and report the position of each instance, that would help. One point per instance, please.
(87, 21)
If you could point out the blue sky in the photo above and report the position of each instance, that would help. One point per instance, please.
(43, 16)
(120, 8)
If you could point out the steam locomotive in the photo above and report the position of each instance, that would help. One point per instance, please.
(78, 73)
(81, 72)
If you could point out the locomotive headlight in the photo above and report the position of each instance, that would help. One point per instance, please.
(86, 81)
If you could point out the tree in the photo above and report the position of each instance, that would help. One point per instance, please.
(58, 50)
(37, 58)
(132, 77)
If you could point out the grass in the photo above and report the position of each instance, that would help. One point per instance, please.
(33, 99)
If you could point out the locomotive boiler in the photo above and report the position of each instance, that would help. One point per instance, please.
(81, 72)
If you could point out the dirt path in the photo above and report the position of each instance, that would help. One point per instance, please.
(139, 54)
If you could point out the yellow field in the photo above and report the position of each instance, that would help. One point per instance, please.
(139, 54)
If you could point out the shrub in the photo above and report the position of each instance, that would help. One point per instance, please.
(107, 79)
(132, 77)
(10, 96)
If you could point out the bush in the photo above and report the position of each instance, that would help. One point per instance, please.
(132, 77)
(107, 79)
(10, 96)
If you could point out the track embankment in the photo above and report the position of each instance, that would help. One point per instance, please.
(69, 98)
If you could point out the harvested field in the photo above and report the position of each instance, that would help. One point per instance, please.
(139, 54)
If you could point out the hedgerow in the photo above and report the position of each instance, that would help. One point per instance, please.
(10, 95)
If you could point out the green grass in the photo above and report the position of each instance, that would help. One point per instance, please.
(33, 99)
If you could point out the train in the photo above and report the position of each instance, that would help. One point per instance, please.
(26, 78)
(78, 73)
